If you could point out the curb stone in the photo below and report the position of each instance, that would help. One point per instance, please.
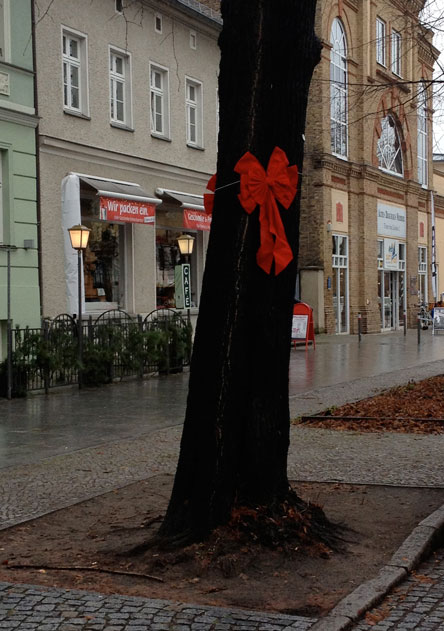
(409, 555)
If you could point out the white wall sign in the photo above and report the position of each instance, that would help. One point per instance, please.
(391, 254)
(391, 221)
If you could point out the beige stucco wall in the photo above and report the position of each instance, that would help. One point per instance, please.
(439, 232)
(91, 145)
(438, 182)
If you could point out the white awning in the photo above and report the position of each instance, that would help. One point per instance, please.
(187, 200)
(118, 189)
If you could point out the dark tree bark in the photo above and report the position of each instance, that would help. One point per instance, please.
(236, 432)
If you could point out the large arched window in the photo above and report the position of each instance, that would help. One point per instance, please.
(422, 134)
(338, 90)
(389, 147)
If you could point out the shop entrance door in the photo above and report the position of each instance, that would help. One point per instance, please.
(392, 292)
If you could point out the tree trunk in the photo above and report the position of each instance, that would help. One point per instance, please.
(236, 432)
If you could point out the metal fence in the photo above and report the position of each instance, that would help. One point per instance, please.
(114, 346)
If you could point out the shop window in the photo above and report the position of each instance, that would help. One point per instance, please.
(380, 249)
(102, 263)
(74, 52)
(401, 254)
(167, 257)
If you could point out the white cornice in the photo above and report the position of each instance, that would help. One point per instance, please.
(112, 159)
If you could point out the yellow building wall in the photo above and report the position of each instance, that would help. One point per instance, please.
(439, 236)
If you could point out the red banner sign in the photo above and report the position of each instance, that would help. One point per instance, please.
(127, 211)
(196, 219)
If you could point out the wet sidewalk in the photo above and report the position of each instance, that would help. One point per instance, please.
(60, 449)
(340, 368)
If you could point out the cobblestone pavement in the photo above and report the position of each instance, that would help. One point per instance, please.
(29, 608)
(418, 603)
(62, 449)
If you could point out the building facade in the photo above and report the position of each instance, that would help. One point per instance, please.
(18, 187)
(127, 141)
(366, 228)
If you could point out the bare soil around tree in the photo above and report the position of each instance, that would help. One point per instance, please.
(88, 546)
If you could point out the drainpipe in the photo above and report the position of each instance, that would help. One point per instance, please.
(434, 278)
(37, 163)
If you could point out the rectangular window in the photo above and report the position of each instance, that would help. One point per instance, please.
(159, 102)
(380, 41)
(193, 103)
(158, 23)
(340, 282)
(396, 53)
(193, 40)
(422, 274)
(5, 53)
(119, 6)
(74, 72)
(422, 151)
(120, 87)
(2, 219)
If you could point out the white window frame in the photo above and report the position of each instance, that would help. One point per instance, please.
(194, 112)
(81, 63)
(422, 272)
(340, 261)
(387, 139)
(396, 52)
(158, 20)
(2, 217)
(159, 95)
(338, 90)
(381, 35)
(124, 79)
(5, 31)
(422, 149)
(402, 248)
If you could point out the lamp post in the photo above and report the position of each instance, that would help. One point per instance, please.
(186, 243)
(79, 236)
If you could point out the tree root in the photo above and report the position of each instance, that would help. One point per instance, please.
(82, 568)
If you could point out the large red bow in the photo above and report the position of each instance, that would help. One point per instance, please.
(264, 188)
(209, 197)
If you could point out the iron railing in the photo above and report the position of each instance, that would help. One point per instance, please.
(115, 345)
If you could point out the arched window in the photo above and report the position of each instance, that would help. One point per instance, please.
(338, 89)
(422, 134)
(389, 147)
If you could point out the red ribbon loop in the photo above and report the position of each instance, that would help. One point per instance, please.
(279, 183)
(209, 197)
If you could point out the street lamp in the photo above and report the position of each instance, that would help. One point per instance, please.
(79, 236)
(186, 243)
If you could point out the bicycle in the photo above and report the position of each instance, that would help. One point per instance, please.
(425, 317)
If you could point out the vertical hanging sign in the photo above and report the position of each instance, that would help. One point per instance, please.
(182, 282)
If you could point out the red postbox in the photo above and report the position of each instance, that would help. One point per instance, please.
(303, 327)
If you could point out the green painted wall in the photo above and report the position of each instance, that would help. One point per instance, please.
(19, 179)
